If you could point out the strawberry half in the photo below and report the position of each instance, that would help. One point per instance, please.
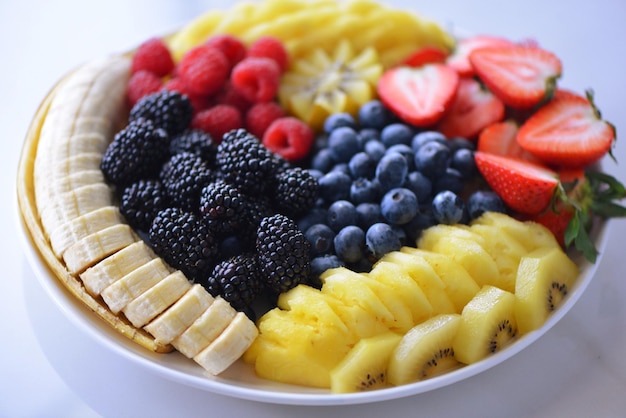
(521, 76)
(459, 59)
(419, 96)
(474, 108)
(567, 132)
(525, 187)
(426, 55)
(500, 138)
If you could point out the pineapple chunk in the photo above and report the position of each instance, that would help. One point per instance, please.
(544, 278)
(530, 234)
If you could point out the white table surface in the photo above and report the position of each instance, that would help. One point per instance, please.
(50, 368)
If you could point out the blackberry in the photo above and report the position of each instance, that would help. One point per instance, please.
(283, 253)
(237, 280)
(296, 191)
(184, 176)
(169, 110)
(141, 201)
(245, 162)
(184, 242)
(223, 207)
(257, 208)
(136, 152)
(195, 141)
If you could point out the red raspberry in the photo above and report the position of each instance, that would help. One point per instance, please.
(217, 121)
(256, 79)
(289, 137)
(141, 84)
(154, 56)
(260, 117)
(230, 46)
(198, 102)
(203, 70)
(270, 47)
(230, 96)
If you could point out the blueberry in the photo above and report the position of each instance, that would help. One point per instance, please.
(350, 244)
(458, 143)
(316, 174)
(398, 206)
(323, 160)
(396, 133)
(448, 207)
(406, 151)
(322, 263)
(450, 180)
(335, 186)
(341, 214)
(422, 220)
(381, 239)
(312, 217)
(321, 237)
(463, 161)
(431, 159)
(365, 190)
(420, 185)
(362, 165)
(483, 201)
(375, 149)
(374, 114)
(341, 167)
(391, 170)
(343, 144)
(337, 120)
(367, 134)
(231, 245)
(427, 136)
(367, 214)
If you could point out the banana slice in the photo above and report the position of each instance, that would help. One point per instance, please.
(121, 292)
(206, 328)
(175, 320)
(229, 346)
(116, 266)
(156, 299)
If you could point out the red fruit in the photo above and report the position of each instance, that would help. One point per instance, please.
(289, 137)
(270, 47)
(217, 120)
(256, 79)
(231, 46)
(141, 84)
(197, 102)
(474, 108)
(419, 96)
(567, 132)
(260, 116)
(459, 59)
(153, 56)
(500, 139)
(521, 76)
(525, 187)
(426, 55)
(229, 95)
(203, 70)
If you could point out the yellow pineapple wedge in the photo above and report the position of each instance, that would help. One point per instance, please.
(425, 351)
(405, 288)
(529, 234)
(425, 276)
(365, 366)
(460, 286)
(544, 278)
(487, 325)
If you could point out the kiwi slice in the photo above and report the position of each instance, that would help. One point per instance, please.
(425, 351)
(544, 277)
(365, 366)
(487, 324)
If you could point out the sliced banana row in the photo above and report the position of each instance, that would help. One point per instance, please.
(140, 295)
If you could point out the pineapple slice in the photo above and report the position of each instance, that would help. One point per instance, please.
(529, 234)
(487, 324)
(544, 278)
(320, 84)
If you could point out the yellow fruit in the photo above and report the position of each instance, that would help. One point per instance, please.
(365, 366)
(425, 351)
(487, 325)
(529, 234)
(320, 83)
(544, 278)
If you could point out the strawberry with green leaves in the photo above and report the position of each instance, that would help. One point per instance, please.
(567, 132)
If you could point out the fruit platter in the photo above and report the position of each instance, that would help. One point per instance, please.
(301, 216)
